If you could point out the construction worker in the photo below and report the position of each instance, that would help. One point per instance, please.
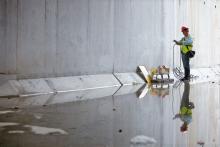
(185, 113)
(186, 44)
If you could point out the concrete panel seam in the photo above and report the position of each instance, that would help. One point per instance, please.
(117, 79)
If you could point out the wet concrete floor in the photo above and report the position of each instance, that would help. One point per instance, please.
(162, 118)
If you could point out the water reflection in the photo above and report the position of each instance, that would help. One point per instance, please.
(160, 90)
(185, 112)
(119, 120)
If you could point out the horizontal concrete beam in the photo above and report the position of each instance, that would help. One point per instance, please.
(59, 98)
(69, 89)
(129, 78)
(128, 89)
(8, 89)
(33, 87)
(68, 84)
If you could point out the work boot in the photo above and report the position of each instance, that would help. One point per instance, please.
(185, 79)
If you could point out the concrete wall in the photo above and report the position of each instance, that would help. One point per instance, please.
(203, 18)
(2, 35)
(76, 37)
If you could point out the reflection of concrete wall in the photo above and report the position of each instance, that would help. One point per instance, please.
(205, 115)
(97, 122)
(137, 117)
(75, 37)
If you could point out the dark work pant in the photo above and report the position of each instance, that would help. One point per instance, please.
(185, 59)
(185, 96)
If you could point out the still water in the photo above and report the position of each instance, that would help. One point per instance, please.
(186, 115)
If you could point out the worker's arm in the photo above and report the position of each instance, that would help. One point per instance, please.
(176, 116)
(184, 41)
(178, 42)
(187, 41)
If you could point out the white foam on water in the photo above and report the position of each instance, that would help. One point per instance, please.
(16, 132)
(141, 139)
(5, 124)
(38, 116)
(45, 130)
(5, 112)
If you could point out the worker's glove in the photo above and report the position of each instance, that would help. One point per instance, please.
(175, 41)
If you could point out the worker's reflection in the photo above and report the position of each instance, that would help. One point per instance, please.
(186, 107)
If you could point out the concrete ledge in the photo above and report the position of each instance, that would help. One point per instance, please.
(34, 86)
(24, 102)
(82, 95)
(31, 87)
(129, 78)
(128, 89)
(69, 89)
(68, 84)
(7, 89)
(59, 98)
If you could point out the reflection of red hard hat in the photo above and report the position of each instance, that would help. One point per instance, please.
(183, 28)
(184, 127)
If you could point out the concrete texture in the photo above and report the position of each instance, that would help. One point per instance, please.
(33, 86)
(67, 97)
(49, 91)
(128, 89)
(205, 30)
(3, 36)
(47, 38)
(129, 78)
(207, 73)
(216, 70)
(7, 89)
(82, 95)
(30, 87)
(65, 84)
(130, 83)
(59, 98)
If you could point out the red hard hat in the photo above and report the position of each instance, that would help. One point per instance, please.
(183, 28)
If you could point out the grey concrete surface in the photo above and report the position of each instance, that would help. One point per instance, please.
(3, 36)
(54, 99)
(47, 38)
(33, 86)
(129, 78)
(128, 89)
(30, 87)
(7, 89)
(115, 121)
(10, 87)
(12, 37)
(65, 84)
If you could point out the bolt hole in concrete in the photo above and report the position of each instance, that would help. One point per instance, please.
(149, 121)
(120, 130)
(16, 108)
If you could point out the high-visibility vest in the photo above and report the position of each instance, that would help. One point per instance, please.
(185, 111)
(185, 48)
